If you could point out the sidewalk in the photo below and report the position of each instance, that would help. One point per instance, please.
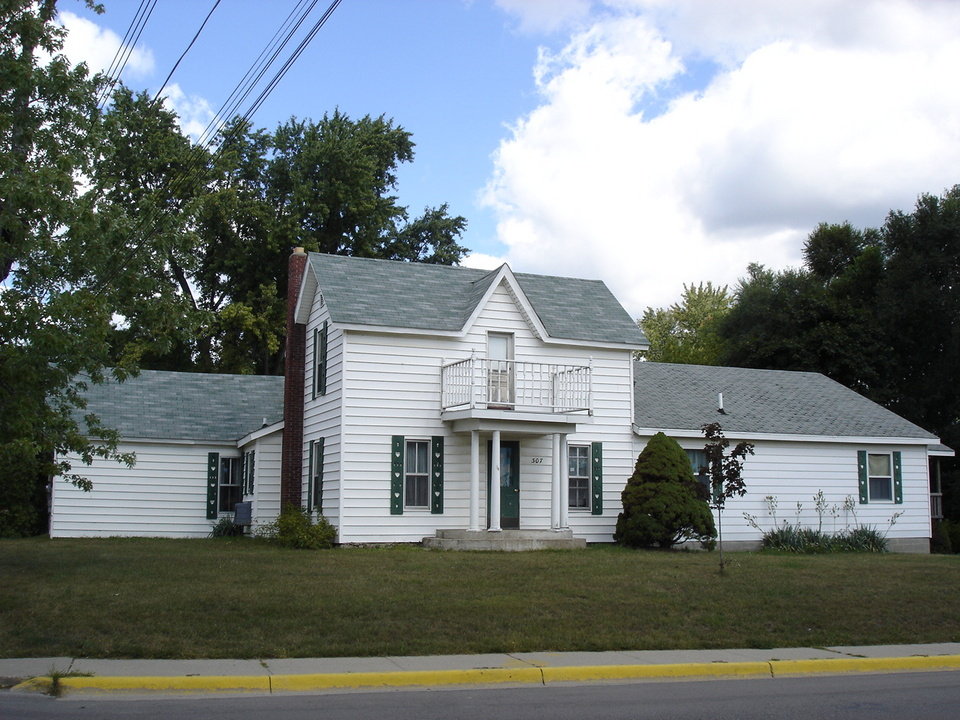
(83, 675)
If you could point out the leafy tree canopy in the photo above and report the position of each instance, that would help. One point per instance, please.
(687, 332)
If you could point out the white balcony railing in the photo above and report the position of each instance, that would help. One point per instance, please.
(515, 385)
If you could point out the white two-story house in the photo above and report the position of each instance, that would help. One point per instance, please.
(471, 408)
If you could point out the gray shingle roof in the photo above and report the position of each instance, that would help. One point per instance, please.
(759, 401)
(387, 293)
(187, 406)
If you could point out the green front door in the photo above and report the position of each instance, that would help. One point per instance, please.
(509, 483)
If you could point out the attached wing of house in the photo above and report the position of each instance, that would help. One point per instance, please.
(201, 443)
(811, 434)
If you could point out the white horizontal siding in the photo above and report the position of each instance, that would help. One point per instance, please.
(322, 416)
(163, 495)
(266, 482)
(392, 387)
(794, 472)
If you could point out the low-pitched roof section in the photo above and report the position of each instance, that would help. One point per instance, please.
(418, 296)
(187, 406)
(767, 402)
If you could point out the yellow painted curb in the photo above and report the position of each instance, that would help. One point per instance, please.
(322, 681)
(667, 670)
(163, 683)
(482, 676)
(851, 664)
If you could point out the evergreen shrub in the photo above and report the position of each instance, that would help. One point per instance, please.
(663, 503)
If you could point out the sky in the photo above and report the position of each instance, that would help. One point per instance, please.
(646, 143)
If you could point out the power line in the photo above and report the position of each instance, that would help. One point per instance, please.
(148, 225)
(184, 53)
(129, 42)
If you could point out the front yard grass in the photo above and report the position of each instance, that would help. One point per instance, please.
(240, 598)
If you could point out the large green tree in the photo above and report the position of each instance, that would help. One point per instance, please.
(326, 186)
(822, 317)
(876, 309)
(687, 332)
(66, 279)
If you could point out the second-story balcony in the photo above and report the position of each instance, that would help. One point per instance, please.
(513, 385)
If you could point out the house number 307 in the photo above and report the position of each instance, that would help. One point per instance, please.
(536, 460)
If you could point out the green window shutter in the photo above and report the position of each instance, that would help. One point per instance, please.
(862, 473)
(436, 476)
(396, 475)
(322, 387)
(213, 481)
(318, 476)
(897, 478)
(596, 478)
(252, 469)
(310, 479)
(243, 473)
(316, 364)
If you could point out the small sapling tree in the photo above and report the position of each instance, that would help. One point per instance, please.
(662, 502)
(725, 472)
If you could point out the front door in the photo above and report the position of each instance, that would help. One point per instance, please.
(509, 483)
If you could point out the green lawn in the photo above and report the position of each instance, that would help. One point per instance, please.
(240, 598)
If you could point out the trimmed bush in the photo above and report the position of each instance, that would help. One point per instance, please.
(663, 503)
(295, 528)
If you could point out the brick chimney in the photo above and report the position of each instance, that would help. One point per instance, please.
(291, 454)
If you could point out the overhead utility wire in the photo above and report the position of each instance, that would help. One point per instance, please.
(108, 73)
(126, 51)
(255, 73)
(184, 53)
(148, 224)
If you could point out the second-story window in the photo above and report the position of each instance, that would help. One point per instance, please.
(500, 369)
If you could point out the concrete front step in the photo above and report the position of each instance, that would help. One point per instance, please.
(508, 540)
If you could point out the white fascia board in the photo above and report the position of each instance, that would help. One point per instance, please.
(505, 274)
(308, 290)
(262, 432)
(933, 450)
(784, 437)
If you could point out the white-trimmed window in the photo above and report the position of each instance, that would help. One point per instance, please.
(230, 490)
(880, 477)
(578, 465)
(416, 476)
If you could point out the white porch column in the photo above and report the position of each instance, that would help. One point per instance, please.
(493, 501)
(555, 484)
(475, 480)
(564, 484)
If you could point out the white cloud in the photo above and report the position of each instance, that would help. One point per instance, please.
(820, 111)
(96, 46)
(537, 16)
(193, 111)
(482, 262)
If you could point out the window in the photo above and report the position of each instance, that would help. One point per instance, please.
(315, 486)
(416, 486)
(578, 457)
(320, 360)
(500, 359)
(698, 463)
(231, 484)
(879, 477)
